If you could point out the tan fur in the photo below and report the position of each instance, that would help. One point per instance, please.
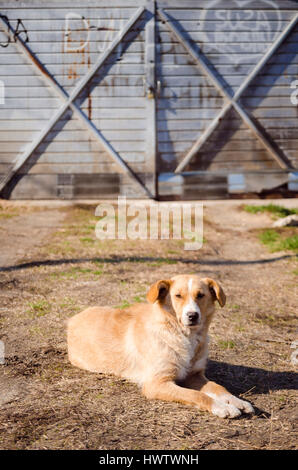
(153, 345)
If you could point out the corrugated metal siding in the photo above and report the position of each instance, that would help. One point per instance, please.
(68, 37)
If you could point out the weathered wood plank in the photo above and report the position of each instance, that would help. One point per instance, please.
(87, 146)
(191, 102)
(244, 166)
(225, 70)
(289, 112)
(267, 102)
(227, 156)
(280, 135)
(88, 168)
(53, 102)
(174, 114)
(100, 91)
(200, 124)
(76, 157)
(221, 38)
(26, 5)
(195, 20)
(97, 113)
(59, 14)
(232, 80)
(71, 58)
(211, 92)
(214, 14)
(73, 124)
(244, 37)
(92, 47)
(227, 4)
(240, 62)
(59, 70)
(137, 80)
(223, 23)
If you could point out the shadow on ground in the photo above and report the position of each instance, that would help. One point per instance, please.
(142, 259)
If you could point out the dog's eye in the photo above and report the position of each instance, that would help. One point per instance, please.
(200, 295)
(178, 296)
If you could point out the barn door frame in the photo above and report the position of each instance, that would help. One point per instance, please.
(230, 101)
(68, 99)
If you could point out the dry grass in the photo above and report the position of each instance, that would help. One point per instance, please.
(48, 404)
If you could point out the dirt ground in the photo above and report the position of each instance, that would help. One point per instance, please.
(52, 266)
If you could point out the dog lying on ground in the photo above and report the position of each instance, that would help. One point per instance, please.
(162, 345)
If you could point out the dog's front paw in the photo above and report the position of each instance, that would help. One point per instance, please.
(224, 410)
(242, 405)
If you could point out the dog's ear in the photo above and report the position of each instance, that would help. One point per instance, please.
(158, 291)
(216, 291)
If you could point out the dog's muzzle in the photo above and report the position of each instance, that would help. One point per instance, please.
(193, 318)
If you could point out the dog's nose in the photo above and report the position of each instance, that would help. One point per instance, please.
(193, 316)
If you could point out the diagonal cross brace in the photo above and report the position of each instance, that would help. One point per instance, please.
(69, 103)
(231, 101)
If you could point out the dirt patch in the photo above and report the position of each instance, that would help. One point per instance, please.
(23, 229)
(62, 268)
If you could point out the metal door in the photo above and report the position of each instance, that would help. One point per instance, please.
(226, 121)
(100, 99)
(78, 118)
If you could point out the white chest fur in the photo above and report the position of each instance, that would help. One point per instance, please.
(189, 346)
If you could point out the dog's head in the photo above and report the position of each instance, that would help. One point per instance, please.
(188, 297)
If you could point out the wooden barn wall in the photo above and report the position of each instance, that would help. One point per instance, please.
(67, 37)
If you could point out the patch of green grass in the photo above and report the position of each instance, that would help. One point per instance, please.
(235, 307)
(276, 242)
(39, 308)
(139, 298)
(98, 272)
(74, 273)
(274, 209)
(87, 240)
(8, 212)
(71, 273)
(290, 243)
(67, 302)
(6, 215)
(124, 304)
(295, 272)
(226, 344)
(269, 237)
(89, 228)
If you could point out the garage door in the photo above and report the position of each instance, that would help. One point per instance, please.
(180, 99)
